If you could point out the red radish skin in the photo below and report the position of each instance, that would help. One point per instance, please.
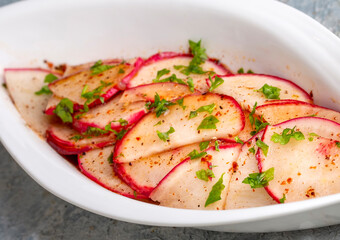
(327, 131)
(137, 143)
(59, 137)
(181, 188)
(281, 111)
(243, 88)
(104, 114)
(144, 175)
(167, 90)
(22, 83)
(94, 164)
(166, 60)
(241, 195)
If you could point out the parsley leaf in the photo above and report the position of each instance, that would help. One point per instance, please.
(254, 122)
(217, 146)
(121, 71)
(180, 103)
(158, 123)
(214, 84)
(64, 110)
(283, 199)
(241, 71)
(199, 57)
(120, 134)
(49, 78)
(252, 150)
(94, 131)
(286, 135)
(337, 144)
(270, 92)
(161, 73)
(191, 85)
(164, 136)
(207, 108)
(205, 174)
(172, 78)
(110, 158)
(264, 147)
(208, 123)
(94, 94)
(98, 67)
(238, 140)
(77, 138)
(259, 180)
(122, 122)
(195, 154)
(204, 145)
(215, 193)
(44, 90)
(159, 105)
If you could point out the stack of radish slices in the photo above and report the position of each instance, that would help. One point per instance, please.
(181, 130)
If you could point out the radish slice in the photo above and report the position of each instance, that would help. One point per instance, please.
(104, 114)
(181, 188)
(22, 83)
(275, 113)
(168, 91)
(303, 169)
(73, 69)
(71, 87)
(144, 175)
(243, 88)
(143, 140)
(61, 138)
(95, 165)
(244, 135)
(241, 195)
(167, 60)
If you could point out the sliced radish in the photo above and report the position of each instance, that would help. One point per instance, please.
(22, 83)
(109, 112)
(63, 139)
(73, 69)
(95, 165)
(144, 175)
(181, 188)
(275, 113)
(303, 169)
(167, 60)
(243, 88)
(168, 91)
(71, 87)
(245, 135)
(241, 195)
(143, 139)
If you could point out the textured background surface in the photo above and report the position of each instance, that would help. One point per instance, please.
(27, 211)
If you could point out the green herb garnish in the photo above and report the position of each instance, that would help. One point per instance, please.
(283, 199)
(205, 174)
(160, 74)
(337, 144)
(286, 135)
(214, 84)
(98, 67)
(264, 147)
(191, 85)
(208, 123)
(180, 103)
(110, 158)
(204, 145)
(94, 94)
(217, 146)
(164, 136)
(259, 180)
(207, 108)
(121, 71)
(258, 124)
(195, 154)
(159, 105)
(252, 150)
(238, 140)
(270, 92)
(215, 193)
(64, 110)
(77, 138)
(49, 78)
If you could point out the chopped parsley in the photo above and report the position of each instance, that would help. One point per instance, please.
(259, 180)
(256, 123)
(49, 78)
(270, 92)
(160, 74)
(286, 135)
(94, 131)
(337, 144)
(264, 147)
(283, 199)
(238, 140)
(217, 146)
(158, 123)
(252, 150)
(173, 78)
(214, 84)
(205, 174)
(311, 136)
(121, 71)
(94, 94)
(204, 145)
(64, 110)
(208, 123)
(199, 57)
(122, 122)
(195, 154)
(77, 138)
(207, 108)
(120, 134)
(98, 67)
(110, 158)
(215, 193)
(180, 103)
(164, 136)
(159, 105)
(191, 85)
(241, 71)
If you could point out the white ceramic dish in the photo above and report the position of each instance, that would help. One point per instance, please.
(265, 36)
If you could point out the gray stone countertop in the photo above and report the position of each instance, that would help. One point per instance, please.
(27, 211)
